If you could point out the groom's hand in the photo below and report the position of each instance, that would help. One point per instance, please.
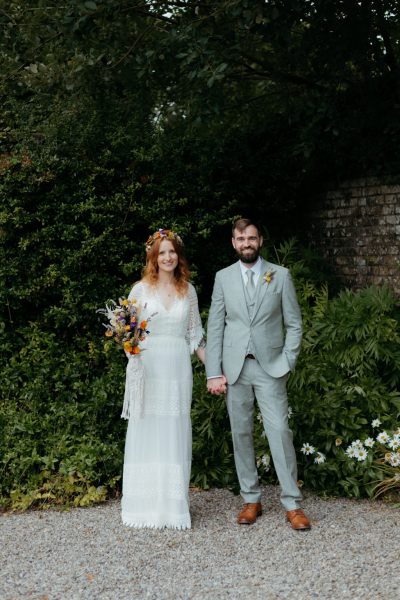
(217, 385)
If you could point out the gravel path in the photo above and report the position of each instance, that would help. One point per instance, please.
(352, 552)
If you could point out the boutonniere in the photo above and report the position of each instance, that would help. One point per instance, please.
(268, 276)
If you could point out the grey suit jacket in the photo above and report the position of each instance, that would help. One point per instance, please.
(275, 326)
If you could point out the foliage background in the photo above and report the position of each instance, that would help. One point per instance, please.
(120, 117)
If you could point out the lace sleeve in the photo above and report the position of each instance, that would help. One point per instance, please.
(195, 332)
(136, 292)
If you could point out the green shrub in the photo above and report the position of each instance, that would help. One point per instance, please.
(347, 376)
(212, 463)
(62, 438)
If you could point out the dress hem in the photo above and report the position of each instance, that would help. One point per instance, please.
(149, 525)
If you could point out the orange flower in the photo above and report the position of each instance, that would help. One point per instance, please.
(135, 350)
(127, 347)
(109, 333)
(143, 325)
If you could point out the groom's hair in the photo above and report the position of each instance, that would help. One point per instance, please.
(241, 224)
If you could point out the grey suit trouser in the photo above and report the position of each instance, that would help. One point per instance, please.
(271, 396)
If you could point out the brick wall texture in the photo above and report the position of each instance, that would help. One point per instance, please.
(356, 227)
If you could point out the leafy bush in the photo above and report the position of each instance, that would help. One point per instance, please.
(62, 439)
(213, 463)
(347, 375)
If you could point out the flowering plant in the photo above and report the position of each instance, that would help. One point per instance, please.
(387, 446)
(380, 449)
(309, 449)
(268, 276)
(124, 324)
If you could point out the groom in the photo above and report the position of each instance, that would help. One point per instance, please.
(253, 341)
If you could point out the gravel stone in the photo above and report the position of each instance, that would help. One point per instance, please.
(351, 552)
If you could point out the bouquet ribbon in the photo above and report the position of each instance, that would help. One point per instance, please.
(134, 389)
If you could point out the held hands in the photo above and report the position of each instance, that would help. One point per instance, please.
(217, 385)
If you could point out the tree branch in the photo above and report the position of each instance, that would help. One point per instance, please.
(270, 74)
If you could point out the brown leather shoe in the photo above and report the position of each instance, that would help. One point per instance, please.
(249, 513)
(298, 519)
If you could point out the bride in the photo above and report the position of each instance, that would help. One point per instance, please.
(158, 448)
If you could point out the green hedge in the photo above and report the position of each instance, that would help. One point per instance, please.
(347, 377)
(62, 439)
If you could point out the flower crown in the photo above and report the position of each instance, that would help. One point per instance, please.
(167, 234)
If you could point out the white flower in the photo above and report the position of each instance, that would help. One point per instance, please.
(394, 444)
(320, 458)
(351, 451)
(394, 459)
(259, 417)
(376, 423)
(396, 436)
(369, 442)
(382, 438)
(289, 412)
(357, 444)
(307, 449)
(361, 454)
(264, 461)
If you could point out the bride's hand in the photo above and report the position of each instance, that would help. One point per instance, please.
(217, 385)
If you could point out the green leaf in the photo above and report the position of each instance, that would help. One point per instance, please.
(90, 5)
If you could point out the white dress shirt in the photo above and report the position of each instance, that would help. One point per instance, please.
(256, 268)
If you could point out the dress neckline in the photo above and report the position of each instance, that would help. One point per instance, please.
(162, 303)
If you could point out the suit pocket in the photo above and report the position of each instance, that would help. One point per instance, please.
(276, 344)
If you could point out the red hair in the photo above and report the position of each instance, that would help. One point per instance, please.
(181, 273)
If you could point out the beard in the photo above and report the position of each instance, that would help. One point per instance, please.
(249, 257)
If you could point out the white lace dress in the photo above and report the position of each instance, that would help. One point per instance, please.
(158, 449)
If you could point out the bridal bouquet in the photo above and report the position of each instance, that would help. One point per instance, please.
(124, 324)
(126, 328)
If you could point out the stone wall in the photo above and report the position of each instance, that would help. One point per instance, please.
(357, 228)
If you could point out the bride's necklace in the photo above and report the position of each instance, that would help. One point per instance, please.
(166, 289)
(166, 294)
